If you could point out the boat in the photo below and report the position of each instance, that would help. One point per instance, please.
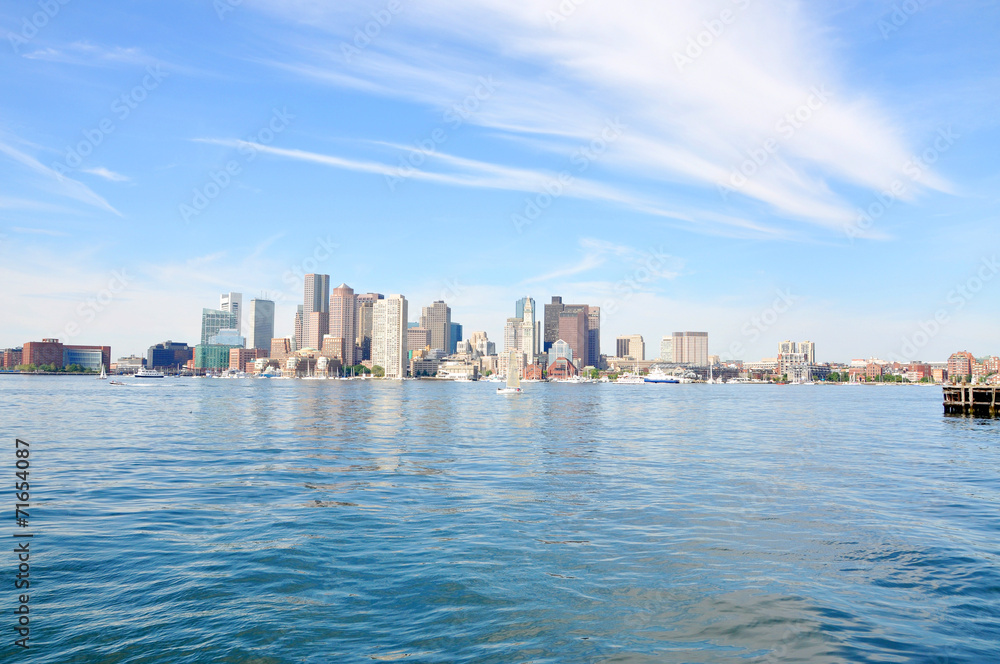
(104, 375)
(116, 382)
(629, 378)
(513, 380)
(658, 375)
(148, 373)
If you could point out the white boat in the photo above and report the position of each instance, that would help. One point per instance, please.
(658, 375)
(629, 378)
(513, 379)
(148, 373)
(103, 376)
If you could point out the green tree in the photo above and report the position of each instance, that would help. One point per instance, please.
(378, 371)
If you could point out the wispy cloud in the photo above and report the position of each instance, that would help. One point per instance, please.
(102, 172)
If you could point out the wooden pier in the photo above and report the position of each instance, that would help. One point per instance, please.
(975, 400)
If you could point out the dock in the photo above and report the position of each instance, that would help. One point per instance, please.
(974, 400)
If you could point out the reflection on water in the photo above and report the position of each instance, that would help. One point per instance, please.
(299, 521)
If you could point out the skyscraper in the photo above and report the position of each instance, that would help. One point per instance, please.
(691, 348)
(573, 330)
(315, 310)
(300, 325)
(343, 322)
(589, 351)
(529, 340)
(389, 335)
(213, 320)
(808, 348)
(552, 312)
(437, 319)
(631, 346)
(233, 303)
(365, 318)
(512, 334)
(593, 336)
(667, 349)
(260, 320)
(454, 336)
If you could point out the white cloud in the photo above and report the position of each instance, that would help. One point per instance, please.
(102, 172)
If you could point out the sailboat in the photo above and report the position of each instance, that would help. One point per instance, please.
(103, 375)
(513, 380)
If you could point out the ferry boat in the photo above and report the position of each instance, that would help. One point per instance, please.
(148, 373)
(629, 378)
(660, 376)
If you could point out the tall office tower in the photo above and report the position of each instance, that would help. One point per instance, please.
(389, 335)
(551, 334)
(573, 330)
(316, 300)
(667, 349)
(529, 342)
(260, 319)
(213, 320)
(512, 331)
(233, 303)
(300, 326)
(691, 348)
(454, 336)
(437, 319)
(520, 306)
(417, 338)
(343, 320)
(808, 348)
(365, 316)
(786, 347)
(594, 336)
(631, 346)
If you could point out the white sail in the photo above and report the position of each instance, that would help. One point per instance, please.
(513, 380)
(103, 375)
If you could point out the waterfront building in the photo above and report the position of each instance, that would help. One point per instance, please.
(959, 366)
(588, 346)
(343, 320)
(281, 348)
(213, 320)
(560, 349)
(168, 355)
(573, 330)
(229, 337)
(437, 319)
(418, 338)
(691, 348)
(794, 366)
(808, 349)
(315, 310)
(233, 303)
(51, 351)
(631, 346)
(88, 357)
(12, 358)
(365, 316)
(562, 368)
(667, 349)
(389, 335)
(212, 356)
(260, 323)
(129, 365)
(335, 348)
(788, 347)
(240, 357)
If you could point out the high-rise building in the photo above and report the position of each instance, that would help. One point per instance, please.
(418, 338)
(454, 336)
(213, 320)
(593, 336)
(529, 329)
(233, 303)
(573, 330)
(960, 366)
(315, 309)
(343, 320)
(631, 346)
(552, 311)
(389, 335)
(588, 353)
(691, 348)
(808, 349)
(260, 321)
(667, 349)
(299, 336)
(365, 317)
(168, 355)
(513, 330)
(788, 347)
(437, 319)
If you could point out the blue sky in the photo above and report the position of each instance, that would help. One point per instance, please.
(684, 164)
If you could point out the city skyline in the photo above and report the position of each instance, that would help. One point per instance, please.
(456, 163)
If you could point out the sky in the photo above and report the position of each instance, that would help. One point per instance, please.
(758, 170)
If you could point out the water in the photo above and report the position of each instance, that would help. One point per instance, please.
(199, 520)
